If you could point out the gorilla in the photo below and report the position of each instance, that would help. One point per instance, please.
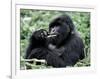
(61, 46)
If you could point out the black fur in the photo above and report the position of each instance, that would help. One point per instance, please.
(62, 50)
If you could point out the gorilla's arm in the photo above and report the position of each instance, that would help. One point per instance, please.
(58, 58)
(66, 55)
(37, 40)
(53, 59)
(58, 52)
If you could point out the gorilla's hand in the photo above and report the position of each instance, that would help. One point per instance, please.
(40, 34)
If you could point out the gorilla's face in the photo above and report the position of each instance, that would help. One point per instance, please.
(60, 28)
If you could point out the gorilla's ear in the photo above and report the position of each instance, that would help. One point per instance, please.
(69, 22)
(73, 32)
(67, 19)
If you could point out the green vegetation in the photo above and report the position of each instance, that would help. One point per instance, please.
(31, 20)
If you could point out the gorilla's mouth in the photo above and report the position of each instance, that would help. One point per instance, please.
(54, 35)
(55, 38)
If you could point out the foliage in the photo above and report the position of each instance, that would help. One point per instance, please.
(31, 20)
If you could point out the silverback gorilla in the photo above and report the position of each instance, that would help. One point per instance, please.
(60, 47)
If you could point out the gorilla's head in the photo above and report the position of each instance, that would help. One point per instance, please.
(62, 27)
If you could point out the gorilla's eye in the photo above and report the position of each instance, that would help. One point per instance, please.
(55, 29)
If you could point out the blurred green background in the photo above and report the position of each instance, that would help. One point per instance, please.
(31, 20)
